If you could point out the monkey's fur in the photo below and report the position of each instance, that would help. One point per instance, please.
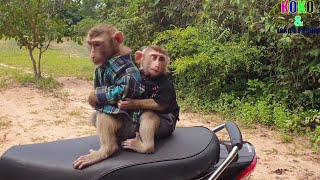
(104, 42)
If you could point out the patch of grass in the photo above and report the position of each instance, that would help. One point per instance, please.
(22, 127)
(47, 108)
(315, 139)
(34, 112)
(9, 77)
(41, 83)
(60, 60)
(40, 122)
(39, 139)
(76, 113)
(4, 83)
(295, 153)
(58, 122)
(83, 122)
(285, 138)
(59, 138)
(272, 151)
(4, 122)
(47, 83)
(44, 83)
(63, 94)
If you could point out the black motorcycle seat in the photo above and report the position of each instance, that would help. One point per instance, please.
(184, 155)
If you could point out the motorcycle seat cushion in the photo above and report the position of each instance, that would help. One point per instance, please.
(184, 155)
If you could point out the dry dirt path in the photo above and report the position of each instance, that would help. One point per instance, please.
(28, 115)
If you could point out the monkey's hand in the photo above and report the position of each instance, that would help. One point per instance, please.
(127, 104)
(93, 99)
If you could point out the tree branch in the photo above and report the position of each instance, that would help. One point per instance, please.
(47, 46)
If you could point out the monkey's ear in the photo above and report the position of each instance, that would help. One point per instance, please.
(138, 56)
(119, 37)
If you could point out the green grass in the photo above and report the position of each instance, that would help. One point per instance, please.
(9, 77)
(47, 83)
(285, 138)
(64, 59)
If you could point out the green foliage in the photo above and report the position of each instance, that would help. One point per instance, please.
(315, 137)
(31, 23)
(293, 61)
(250, 110)
(193, 39)
(140, 19)
(259, 111)
(87, 8)
(85, 25)
(291, 65)
(34, 25)
(208, 59)
(72, 10)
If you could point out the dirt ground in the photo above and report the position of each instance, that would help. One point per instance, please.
(28, 115)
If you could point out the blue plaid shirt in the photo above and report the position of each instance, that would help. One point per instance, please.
(118, 79)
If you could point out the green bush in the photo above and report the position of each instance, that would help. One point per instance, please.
(208, 65)
(315, 137)
(181, 42)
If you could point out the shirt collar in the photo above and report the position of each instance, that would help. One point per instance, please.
(149, 76)
(114, 59)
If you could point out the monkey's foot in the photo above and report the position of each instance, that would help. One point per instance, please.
(92, 151)
(92, 158)
(137, 145)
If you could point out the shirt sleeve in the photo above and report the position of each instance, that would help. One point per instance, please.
(95, 79)
(127, 87)
(164, 95)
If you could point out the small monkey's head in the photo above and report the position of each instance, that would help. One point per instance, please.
(154, 60)
(104, 41)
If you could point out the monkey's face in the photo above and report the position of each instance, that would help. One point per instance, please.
(154, 63)
(101, 48)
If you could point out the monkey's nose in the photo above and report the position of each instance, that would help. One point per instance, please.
(92, 55)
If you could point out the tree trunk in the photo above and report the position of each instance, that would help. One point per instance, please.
(39, 63)
(33, 62)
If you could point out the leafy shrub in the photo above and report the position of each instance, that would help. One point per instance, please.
(206, 65)
(315, 137)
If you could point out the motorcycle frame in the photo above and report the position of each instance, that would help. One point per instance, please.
(236, 142)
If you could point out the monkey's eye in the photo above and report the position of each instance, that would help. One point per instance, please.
(161, 59)
(96, 45)
(154, 57)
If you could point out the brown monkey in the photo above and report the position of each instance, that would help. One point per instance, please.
(116, 78)
(162, 110)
